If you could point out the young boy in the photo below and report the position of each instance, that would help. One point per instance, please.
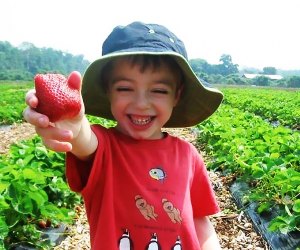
(142, 188)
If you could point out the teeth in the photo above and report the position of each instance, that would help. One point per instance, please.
(141, 121)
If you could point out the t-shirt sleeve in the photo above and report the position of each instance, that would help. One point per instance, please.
(78, 171)
(202, 195)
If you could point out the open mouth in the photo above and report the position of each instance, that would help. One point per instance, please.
(140, 120)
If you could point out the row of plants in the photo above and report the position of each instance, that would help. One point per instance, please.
(277, 106)
(34, 194)
(12, 101)
(266, 157)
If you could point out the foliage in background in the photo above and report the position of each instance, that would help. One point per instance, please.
(23, 62)
(26, 60)
(227, 73)
(33, 194)
(279, 107)
(264, 155)
(12, 101)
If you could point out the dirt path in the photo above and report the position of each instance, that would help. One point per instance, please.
(234, 230)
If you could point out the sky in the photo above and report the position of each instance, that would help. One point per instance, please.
(255, 33)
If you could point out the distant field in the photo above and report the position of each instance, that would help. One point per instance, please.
(12, 101)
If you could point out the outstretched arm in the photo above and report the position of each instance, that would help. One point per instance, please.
(72, 135)
(206, 234)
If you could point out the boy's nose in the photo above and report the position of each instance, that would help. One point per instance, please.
(142, 100)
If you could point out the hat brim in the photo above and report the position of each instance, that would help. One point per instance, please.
(196, 104)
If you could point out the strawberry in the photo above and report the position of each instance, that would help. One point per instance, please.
(58, 97)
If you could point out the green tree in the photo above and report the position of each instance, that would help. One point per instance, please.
(269, 71)
(227, 67)
(261, 81)
(201, 66)
(23, 62)
(293, 82)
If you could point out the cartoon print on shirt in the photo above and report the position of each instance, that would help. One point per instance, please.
(158, 174)
(125, 242)
(171, 211)
(153, 244)
(177, 245)
(146, 209)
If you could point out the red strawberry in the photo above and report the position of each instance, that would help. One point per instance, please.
(58, 97)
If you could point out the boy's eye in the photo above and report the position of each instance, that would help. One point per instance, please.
(160, 91)
(123, 89)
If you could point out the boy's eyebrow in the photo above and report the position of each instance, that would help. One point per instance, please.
(167, 82)
(121, 78)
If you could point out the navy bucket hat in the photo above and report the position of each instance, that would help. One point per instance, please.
(197, 101)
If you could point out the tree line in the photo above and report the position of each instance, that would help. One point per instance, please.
(26, 60)
(226, 72)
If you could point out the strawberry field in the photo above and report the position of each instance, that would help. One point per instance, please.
(254, 138)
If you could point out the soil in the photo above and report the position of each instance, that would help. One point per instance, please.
(234, 229)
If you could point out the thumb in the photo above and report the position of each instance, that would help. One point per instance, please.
(74, 80)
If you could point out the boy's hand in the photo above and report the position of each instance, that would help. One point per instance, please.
(56, 136)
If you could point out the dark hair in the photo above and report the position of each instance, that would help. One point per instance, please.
(145, 61)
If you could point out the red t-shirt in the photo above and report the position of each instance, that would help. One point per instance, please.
(142, 193)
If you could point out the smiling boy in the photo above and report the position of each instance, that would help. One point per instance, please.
(142, 188)
(142, 100)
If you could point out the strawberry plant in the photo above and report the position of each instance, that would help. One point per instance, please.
(275, 105)
(33, 194)
(12, 101)
(265, 157)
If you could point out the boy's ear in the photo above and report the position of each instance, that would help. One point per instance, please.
(178, 94)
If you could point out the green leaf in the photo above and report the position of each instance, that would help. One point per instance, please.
(41, 152)
(3, 228)
(24, 205)
(3, 204)
(279, 224)
(27, 159)
(263, 207)
(40, 197)
(3, 186)
(296, 206)
(274, 155)
(31, 174)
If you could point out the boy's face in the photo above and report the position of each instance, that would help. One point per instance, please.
(142, 102)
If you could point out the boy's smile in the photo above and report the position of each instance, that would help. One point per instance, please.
(142, 101)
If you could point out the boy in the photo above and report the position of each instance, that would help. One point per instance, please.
(142, 188)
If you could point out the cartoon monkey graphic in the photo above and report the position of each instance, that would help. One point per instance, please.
(171, 211)
(146, 209)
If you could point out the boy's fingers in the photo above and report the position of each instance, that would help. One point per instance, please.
(74, 80)
(55, 134)
(35, 118)
(31, 99)
(57, 146)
